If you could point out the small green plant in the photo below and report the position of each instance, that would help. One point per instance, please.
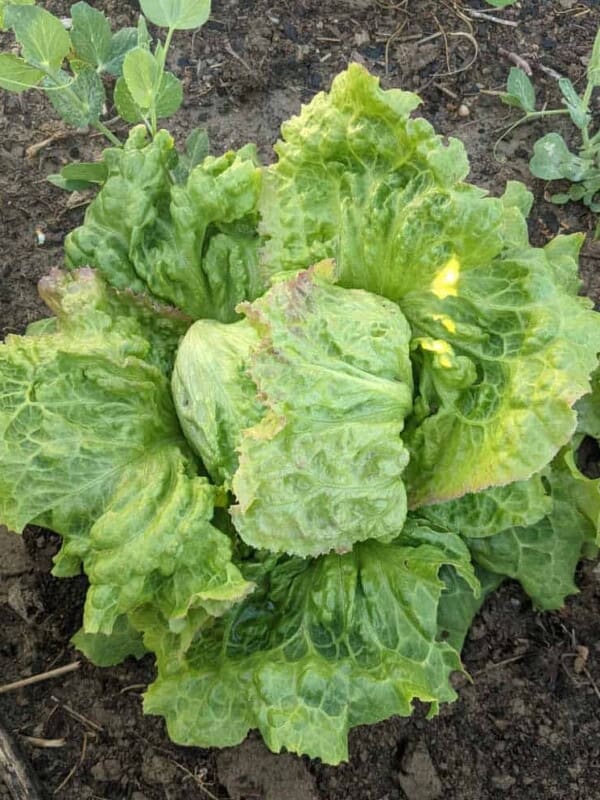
(500, 3)
(70, 66)
(552, 158)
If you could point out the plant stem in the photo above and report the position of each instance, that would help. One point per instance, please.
(100, 126)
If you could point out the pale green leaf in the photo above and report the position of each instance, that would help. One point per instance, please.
(16, 75)
(140, 72)
(359, 181)
(577, 111)
(106, 650)
(553, 160)
(5, 3)
(520, 89)
(493, 510)
(543, 556)
(122, 41)
(44, 41)
(88, 424)
(323, 468)
(126, 106)
(214, 397)
(177, 14)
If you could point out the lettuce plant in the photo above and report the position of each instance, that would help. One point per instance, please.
(298, 421)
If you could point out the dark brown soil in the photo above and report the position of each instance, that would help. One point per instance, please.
(528, 726)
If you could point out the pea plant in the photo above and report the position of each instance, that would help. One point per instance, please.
(552, 158)
(70, 59)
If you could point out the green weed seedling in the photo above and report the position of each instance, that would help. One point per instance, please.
(69, 66)
(552, 158)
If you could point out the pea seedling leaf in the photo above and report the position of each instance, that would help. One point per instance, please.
(593, 69)
(140, 70)
(168, 99)
(81, 99)
(196, 147)
(574, 103)
(143, 36)
(120, 44)
(196, 150)
(126, 106)
(4, 3)
(16, 75)
(170, 95)
(177, 14)
(91, 35)
(520, 91)
(553, 160)
(79, 176)
(44, 41)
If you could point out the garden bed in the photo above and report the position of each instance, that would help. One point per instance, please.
(529, 723)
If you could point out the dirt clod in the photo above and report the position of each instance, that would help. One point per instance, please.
(250, 770)
(418, 777)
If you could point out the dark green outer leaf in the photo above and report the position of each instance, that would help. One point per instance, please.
(320, 646)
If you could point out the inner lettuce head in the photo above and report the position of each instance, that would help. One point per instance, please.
(319, 466)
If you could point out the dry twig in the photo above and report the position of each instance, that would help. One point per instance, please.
(15, 771)
(517, 60)
(42, 676)
(472, 12)
(75, 766)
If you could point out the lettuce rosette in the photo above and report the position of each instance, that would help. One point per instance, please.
(296, 422)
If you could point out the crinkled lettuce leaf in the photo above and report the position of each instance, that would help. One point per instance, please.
(543, 556)
(90, 447)
(493, 510)
(106, 650)
(323, 467)
(321, 646)
(460, 602)
(588, 409)
(214, 396)
(501, 345)
(192, 245)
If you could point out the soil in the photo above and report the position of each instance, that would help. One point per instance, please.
(528, 725)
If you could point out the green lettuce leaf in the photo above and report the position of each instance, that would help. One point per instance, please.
(588, 409)
(460, 602)
(90, 447)
(495, 323)
(543, 556)
(323, 468)
(107, 650)
(493, 510)
(214, 397)
(321, 646)
(193, 245)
